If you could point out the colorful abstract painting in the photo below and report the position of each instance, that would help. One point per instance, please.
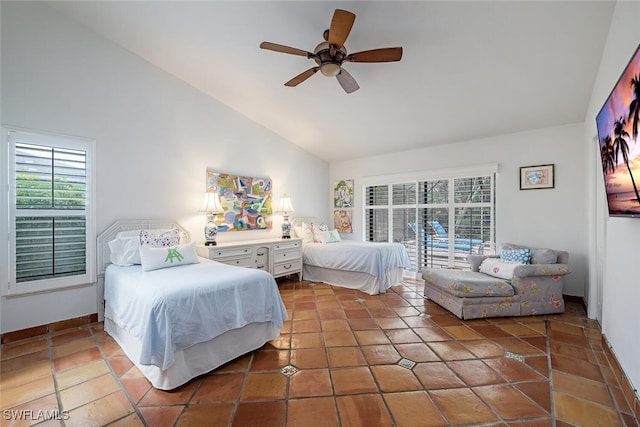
(342, 221)
(246, 200)
(343, 194)
(618, 136)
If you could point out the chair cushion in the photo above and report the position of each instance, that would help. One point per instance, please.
(465, 283)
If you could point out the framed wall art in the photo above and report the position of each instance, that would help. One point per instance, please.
(343, 194)
(246, 200)
(536, 177)
(342, 221)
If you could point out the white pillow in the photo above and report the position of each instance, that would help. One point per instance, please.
(317, 229)
(168, 256)
(124, 251)
(499, 268)
(304, 232)
(330, 236)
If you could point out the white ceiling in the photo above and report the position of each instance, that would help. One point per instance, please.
(470, 69)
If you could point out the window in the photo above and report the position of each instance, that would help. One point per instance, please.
(440, 221)
(52, 230)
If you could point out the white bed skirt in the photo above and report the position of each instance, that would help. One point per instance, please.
(199, 358)
(353, 279)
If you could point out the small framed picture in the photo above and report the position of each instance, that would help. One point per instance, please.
(536, 177)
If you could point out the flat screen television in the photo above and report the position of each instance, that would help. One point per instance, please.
(618, 137)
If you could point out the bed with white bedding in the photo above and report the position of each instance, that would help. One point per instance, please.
(371, 267)
(180, 322)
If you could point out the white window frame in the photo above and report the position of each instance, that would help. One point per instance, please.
(11, 136)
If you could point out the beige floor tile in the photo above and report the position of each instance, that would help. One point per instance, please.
(462, 332)
(28, 373)
(584, 413)
(339, 338)
(508, 402)
(161, 416)
(102, 411)
(88, 391)
(260, 414)
(261, 386)
(353, 380)
(450, 403)
(74, 347)
(310, 383)
(82, 373)
(32, 412)
(24, 347)
(363, 410)
(306, 340)
(317, 411)
(393, 378)
(414, 409)
(207, 415)
(345, 356)
(26, 392)
(309, 358)
(372, 337)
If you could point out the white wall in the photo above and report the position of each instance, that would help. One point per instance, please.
(552, 218)
(615, 240)
(155, 137)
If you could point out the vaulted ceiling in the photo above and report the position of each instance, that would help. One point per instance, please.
(470, 69)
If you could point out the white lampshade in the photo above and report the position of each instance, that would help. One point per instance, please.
(285, 204)
(211, 203)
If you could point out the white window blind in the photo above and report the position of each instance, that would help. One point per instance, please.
(440, 221)
(50, 212)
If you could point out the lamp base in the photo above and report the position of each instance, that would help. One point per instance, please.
(286, 227)
(210, 231)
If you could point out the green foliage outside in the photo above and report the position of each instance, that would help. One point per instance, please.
(32, 191)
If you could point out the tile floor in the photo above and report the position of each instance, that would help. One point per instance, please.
(351, 359)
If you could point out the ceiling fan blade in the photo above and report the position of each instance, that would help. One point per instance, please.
(285, 49)
(386, 54)
(341, 24)
(347, 81)
(302, 77)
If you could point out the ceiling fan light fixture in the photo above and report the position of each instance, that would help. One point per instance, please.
(330, 69)
(330, 54)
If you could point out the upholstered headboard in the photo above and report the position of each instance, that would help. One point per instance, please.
(112, 231)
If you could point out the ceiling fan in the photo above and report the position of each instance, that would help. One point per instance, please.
(331, 53)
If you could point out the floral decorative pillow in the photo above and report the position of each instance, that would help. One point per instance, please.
(159, 240)
(522, 255)
(317, 229)
(499, 268)
(168, 256)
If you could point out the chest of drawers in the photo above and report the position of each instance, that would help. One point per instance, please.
(279, 257)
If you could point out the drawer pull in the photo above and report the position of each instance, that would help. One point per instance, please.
(286, 267)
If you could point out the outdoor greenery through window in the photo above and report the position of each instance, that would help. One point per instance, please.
(50, 215)
(439, 221)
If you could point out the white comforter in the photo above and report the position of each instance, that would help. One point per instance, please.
(173, 308)
(374, 258)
